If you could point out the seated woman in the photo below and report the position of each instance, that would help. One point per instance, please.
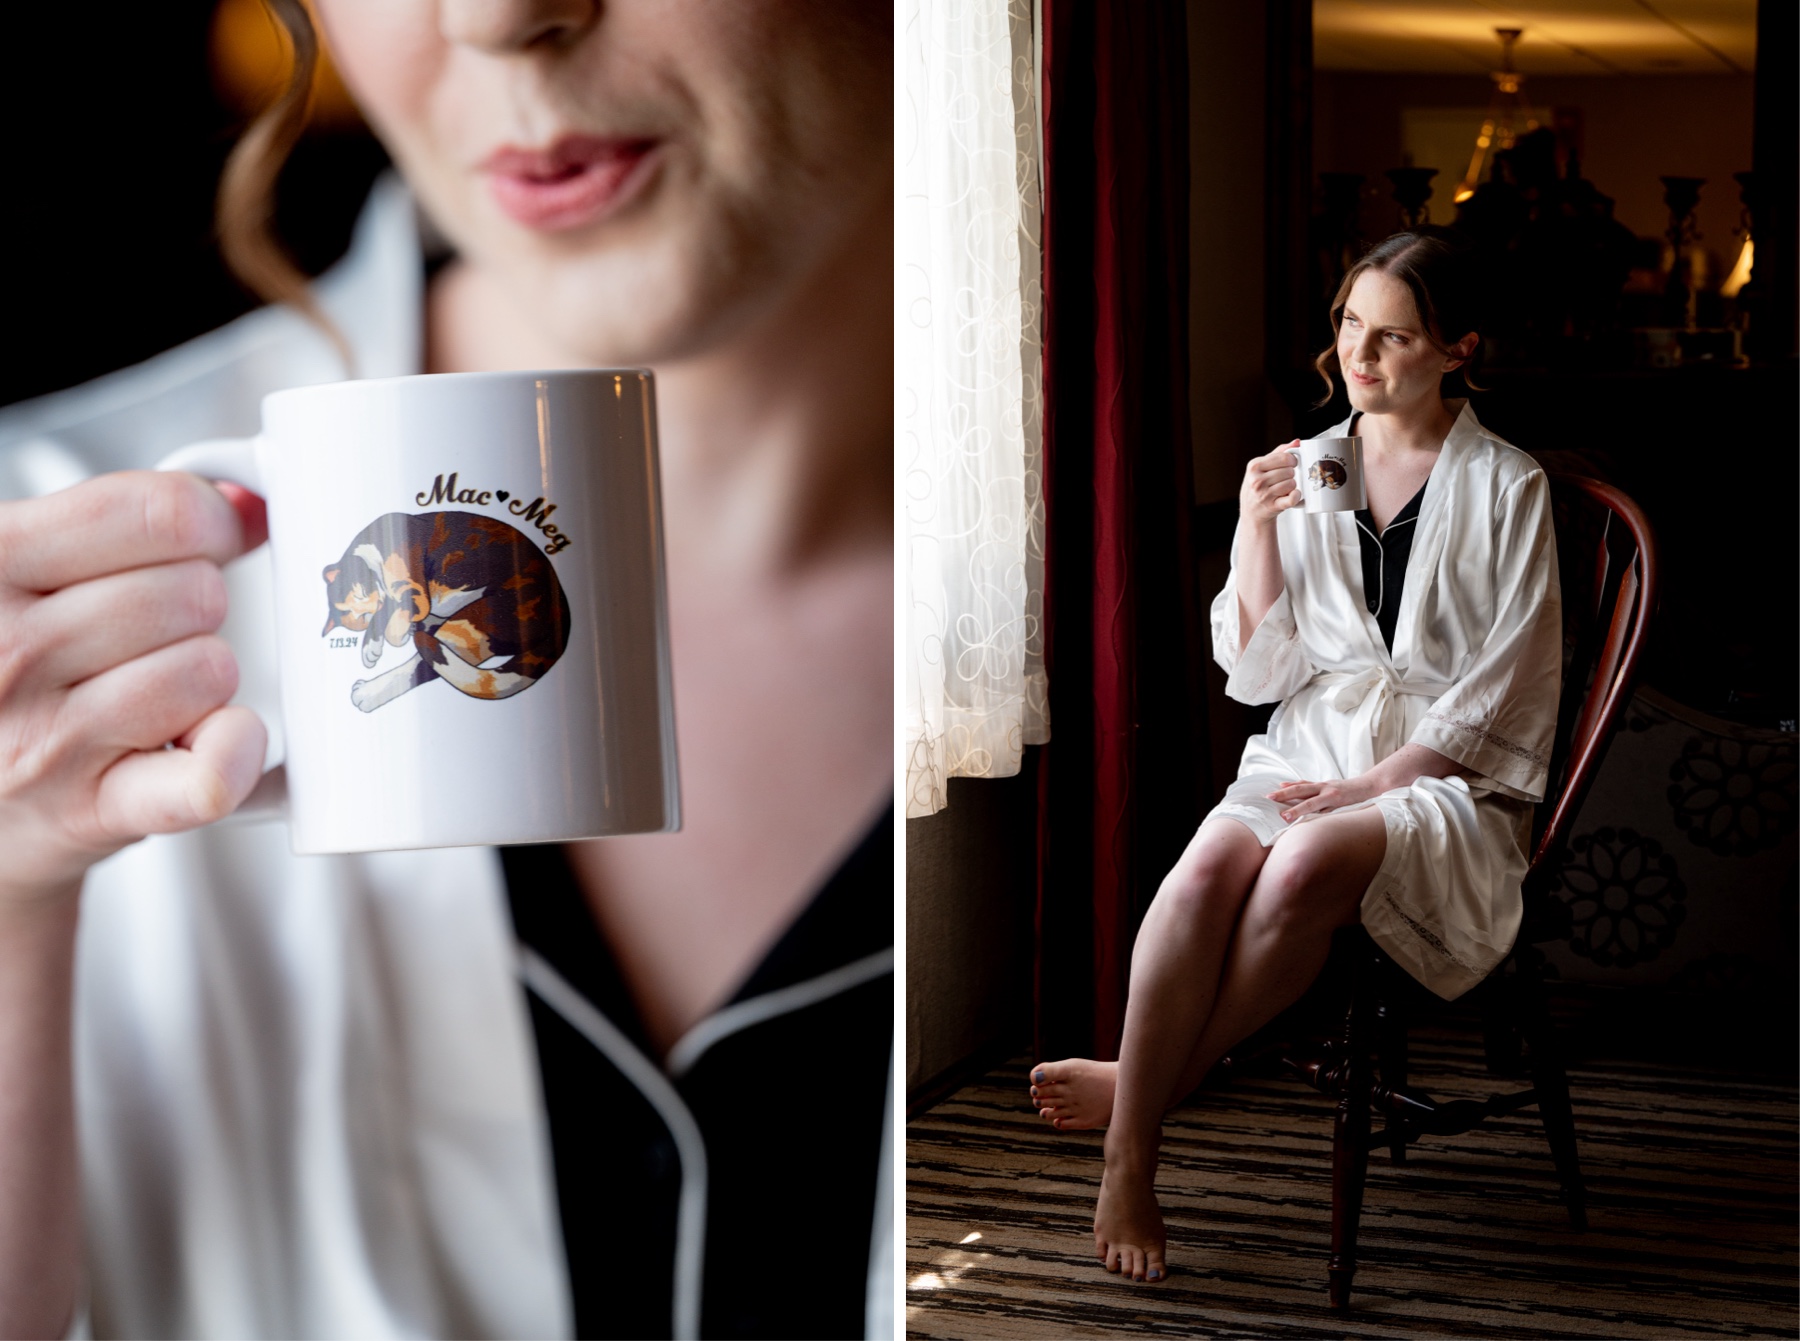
(270, 1095)
(1415, 652)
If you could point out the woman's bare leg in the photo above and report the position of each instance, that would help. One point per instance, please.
(1175, 970)
(1311, 883)
(1254, 988)
(1188, 924)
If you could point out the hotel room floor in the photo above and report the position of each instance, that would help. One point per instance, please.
(1692, 1215)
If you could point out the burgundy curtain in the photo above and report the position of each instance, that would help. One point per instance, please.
(1123, 782)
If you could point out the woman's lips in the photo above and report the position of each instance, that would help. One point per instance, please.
(1362, 379)
(577, 180)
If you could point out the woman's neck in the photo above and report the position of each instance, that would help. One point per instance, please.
(775, 446)
(780, 440)
(1421, 427)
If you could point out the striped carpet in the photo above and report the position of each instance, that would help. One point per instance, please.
(1692, 1233)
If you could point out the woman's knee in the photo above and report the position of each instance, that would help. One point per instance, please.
(1284, 887)
(1226, 850)
(1214, 875)
(1304, 880)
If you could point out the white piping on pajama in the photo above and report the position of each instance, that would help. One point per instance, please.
(1381, 591)
(740, 1015)
(560, 995)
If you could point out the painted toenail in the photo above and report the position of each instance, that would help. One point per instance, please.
(1038, 1077)
(1155, 1274)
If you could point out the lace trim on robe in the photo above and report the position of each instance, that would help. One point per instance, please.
(1533, 757)
(1429, 936)
(1269, 668)
(1271, 659)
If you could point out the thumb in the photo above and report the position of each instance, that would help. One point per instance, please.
(204, 777)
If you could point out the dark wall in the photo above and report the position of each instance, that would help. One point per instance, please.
(114, 141)
(1778, 173)
(970, 895)
(1227, 389)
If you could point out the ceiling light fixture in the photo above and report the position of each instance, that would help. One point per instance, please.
(1507, 115)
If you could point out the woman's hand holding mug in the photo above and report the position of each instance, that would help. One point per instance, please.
(1270, 487)
(110, 598)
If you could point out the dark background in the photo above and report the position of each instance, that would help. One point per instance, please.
(119, 130)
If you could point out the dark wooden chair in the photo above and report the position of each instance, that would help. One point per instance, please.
(1607, 559)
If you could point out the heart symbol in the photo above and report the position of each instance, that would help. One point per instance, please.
(502, 495)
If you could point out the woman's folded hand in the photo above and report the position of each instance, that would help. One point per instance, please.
(1402, 768)
(1314, 798)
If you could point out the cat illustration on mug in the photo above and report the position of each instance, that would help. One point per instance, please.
(480, 603)
(1328, 474)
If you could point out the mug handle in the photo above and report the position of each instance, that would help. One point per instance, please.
(234, 461)
(230, 459)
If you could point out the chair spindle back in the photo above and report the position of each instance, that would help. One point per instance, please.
(1606, 554)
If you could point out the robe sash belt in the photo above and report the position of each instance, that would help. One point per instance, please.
(1372, 696)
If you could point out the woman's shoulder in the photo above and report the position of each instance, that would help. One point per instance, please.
(1484, 454)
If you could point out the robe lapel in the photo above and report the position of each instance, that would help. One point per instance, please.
(1347, 554)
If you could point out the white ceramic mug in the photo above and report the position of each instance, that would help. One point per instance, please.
(1329, 474)
(483, 552)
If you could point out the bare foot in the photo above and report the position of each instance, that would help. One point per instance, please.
(1074, 1095)
(1128, 1225)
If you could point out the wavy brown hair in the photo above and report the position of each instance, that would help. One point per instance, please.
(1441, 272)
(246, 206)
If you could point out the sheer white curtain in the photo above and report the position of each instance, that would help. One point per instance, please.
(967, 406)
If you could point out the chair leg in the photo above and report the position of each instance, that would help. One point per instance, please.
(1349, 1154)
(1551, 1081)
(1499, 1035)
(1390, 1036)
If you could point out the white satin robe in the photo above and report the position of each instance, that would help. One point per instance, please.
(1474, 674)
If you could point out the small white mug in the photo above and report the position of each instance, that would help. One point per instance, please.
(484, 552)
(1328, 473)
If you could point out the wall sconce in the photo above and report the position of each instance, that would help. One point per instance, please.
(1740, 273)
